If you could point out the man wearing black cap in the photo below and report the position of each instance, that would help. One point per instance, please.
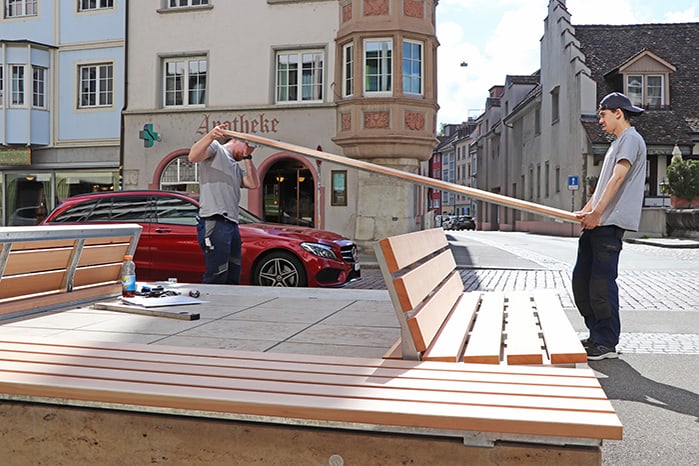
(614, 208)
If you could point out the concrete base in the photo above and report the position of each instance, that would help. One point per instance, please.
(63, 435)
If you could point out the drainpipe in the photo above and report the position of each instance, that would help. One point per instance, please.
(125, 95)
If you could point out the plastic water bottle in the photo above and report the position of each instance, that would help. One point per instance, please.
(128, 277)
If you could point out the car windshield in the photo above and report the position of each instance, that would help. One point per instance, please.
(246, 216)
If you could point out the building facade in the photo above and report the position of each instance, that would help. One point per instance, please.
(61, 74)
(540, 141)
(349, 77)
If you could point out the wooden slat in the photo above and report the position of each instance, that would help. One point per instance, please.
(214, 356)
(427, 321)
(30, 284)
(522, 343)
(562, 342)
(36, 260)
(53, 300)
(361, 390)
(43, 244)
(449, 344)
(87, 276)
(414, 286)
(103, 254)
(404, 250)
(485, 342)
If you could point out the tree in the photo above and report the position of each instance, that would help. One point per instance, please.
(683, 178)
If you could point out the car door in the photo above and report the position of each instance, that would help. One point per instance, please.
(174, 250)
(128, 209)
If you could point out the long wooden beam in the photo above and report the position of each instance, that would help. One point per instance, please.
(413, 178)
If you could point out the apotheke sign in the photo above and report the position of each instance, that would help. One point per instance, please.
(242, 123)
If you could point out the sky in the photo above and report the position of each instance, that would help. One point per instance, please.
(500, 37)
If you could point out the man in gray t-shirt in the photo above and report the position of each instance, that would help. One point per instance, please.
(220, 179)
(614, 208)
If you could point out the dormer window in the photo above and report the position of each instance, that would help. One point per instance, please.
(646, 90)
(647, 80)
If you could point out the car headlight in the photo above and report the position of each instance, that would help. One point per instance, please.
(319, 250)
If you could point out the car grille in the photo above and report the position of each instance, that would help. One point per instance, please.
(349, 253)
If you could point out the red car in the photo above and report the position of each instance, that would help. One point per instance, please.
(273, 254)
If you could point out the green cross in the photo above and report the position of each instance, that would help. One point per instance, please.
(148, 135)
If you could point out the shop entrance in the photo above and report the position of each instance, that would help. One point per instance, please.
(288, 189)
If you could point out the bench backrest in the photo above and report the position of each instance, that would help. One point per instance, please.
(424, 285)
(45, 267)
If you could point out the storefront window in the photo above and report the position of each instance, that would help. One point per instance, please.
(25, 198)
(180, 175)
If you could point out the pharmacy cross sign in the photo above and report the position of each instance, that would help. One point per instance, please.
(148, 135)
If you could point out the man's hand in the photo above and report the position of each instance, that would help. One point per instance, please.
(590, 220)
(239, 149)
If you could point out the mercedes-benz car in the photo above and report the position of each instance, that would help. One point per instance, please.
(273, 254)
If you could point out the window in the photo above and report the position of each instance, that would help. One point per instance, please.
(537, 120)
(185, 81)
(2, 85)
(646, 90)
(17, 95)
(186, 3)
(180, 175)
(300, 76)
(96, 85)
(348, 70)
(86, 5)
(554, 105)
(38, 87)
(339, 187)
(17, 8)
(412, 67)
(378, 66)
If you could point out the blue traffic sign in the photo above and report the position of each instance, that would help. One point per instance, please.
(573, 183)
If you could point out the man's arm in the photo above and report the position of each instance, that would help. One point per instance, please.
(251, 180)
(199, 150)
(591, 219)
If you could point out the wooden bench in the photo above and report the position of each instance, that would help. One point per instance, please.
(109, 403)
(46, 267)
(441, 322)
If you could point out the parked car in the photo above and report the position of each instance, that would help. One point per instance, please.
(448, 222)
(464, 222)
(273, 254)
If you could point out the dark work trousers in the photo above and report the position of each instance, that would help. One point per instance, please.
(594, 283)
(219, 238)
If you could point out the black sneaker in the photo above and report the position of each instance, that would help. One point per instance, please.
(587, 342)
(599, 352)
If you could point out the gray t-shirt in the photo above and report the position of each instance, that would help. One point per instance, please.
(624, 210)
(220, 181)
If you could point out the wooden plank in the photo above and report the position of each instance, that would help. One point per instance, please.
(89, 276)
(416, 285)
(36, 260)
(502, 375)
(20, 245)
(103, 254)
(404, 250)
(562, 343)
(522, 342)
(31, 284)
(448, 345)
(160, 312)
(499, 199)
(54, 300)
(427, 320)
(485, 341)
(227, 388)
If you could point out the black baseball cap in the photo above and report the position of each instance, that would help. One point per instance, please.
(618, 100)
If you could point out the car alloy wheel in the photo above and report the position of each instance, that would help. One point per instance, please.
(279, 268)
